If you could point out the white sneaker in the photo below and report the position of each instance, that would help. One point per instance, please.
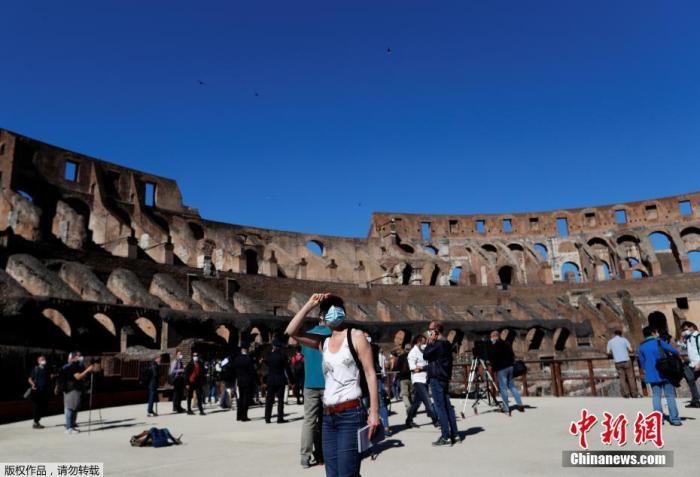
(72, 431)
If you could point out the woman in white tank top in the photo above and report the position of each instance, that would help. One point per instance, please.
(343, 413)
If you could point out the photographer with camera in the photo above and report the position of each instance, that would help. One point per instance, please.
(72, 380)
(502, 358)
(438, 353)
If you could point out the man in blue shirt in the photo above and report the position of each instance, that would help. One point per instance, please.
(650, 351)
(314, 384)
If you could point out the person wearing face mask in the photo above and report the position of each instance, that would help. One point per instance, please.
(502, 358)
(73, 376)
(347, 356)
(39, 381)
(691, 370)
(177, 379)
(195, 377)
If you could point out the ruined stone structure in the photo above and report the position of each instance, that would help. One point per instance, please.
(100, 256)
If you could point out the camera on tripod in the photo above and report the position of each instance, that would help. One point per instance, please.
(480, 350)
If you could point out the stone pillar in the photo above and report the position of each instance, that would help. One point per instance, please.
(301, 269)
(164, 335)
(416, 276)
(332, 270)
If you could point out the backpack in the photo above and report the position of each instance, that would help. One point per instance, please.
(669, 367)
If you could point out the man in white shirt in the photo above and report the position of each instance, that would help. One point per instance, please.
(691, 342)
(619, 349)
(417, 364)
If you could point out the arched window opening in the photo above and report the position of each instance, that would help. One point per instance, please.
(505, 275)
(560, 343)
(434, 276)
(542, 250)
(315, 247)
(456, 275)
(406, 276)
(570, 272)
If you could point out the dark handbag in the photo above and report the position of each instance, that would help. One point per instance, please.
(669, 367)
(519, 368)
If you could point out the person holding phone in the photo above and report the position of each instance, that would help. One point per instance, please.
(344, 360)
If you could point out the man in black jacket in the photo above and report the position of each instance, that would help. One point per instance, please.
(502, 359)
(278, 373)
(243, 368)
(152, 380)
(438, 353)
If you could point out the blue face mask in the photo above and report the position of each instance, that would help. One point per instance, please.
(334, 317)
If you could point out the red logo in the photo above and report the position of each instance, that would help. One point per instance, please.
(580, 428)
(615, 429)
(646, 428)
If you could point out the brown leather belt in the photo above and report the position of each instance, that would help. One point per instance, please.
(343, 406)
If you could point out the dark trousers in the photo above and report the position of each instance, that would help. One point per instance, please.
(200, 397)
(444, 409)
(420, 396)
(690, 377)
(40, 401)
(178, 394)
(274, 391)
(245, 397)
(152, 396)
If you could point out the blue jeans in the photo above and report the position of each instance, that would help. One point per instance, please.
(152, 394)
(670, 393)
(505, 382)
(383, 411)
(71, 417)
(339, 437)
(443, 408)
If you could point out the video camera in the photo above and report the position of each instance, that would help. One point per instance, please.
(480, 350)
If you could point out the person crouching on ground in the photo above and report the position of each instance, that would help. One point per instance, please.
(343, 413)
(502, 359)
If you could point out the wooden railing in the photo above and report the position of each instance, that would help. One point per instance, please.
(557, 379)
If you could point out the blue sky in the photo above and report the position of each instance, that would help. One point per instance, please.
(307, 123)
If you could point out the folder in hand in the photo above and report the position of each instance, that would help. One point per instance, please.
(363, 440)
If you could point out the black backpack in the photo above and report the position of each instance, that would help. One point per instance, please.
(669, 367)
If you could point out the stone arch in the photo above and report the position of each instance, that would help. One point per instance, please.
(506, 275)
(569, 268)
(223, 332)
(541, 250)
(534, 338)
(561, 338)
(456, 275)
(401, 337)
(147, 327)
(106, 322)
(196, 229)
(57, 318)
(508, 334)
(316, 247)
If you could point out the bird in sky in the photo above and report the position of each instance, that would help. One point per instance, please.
(388, 51)
(201, 83)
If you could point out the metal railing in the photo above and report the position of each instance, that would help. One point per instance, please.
(555, 378)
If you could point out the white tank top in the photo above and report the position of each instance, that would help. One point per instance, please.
(341, 374)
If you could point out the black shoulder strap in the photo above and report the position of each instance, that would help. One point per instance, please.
(353, 351)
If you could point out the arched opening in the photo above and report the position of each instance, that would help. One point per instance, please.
(490, 248)
(515, 247)
(26, 195)
(561, 336)
(660, 241)
(406, 275)
(456, 275)
(431, 250)
(508, 335)
(57, 318)
(658, 320)
(147, 326)
(223, 332)
(694, 258)
(251, 262)
(434, 276)
(107, 322)
(638, 274)
(606, 271)
(401, 337)
(505, 275)
(197, 230)
(534, 338)
(570, 272)
(315, 247)
(542, 250)
(406, 248)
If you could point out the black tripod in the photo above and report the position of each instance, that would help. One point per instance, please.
(480, 375)
(99, 410)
